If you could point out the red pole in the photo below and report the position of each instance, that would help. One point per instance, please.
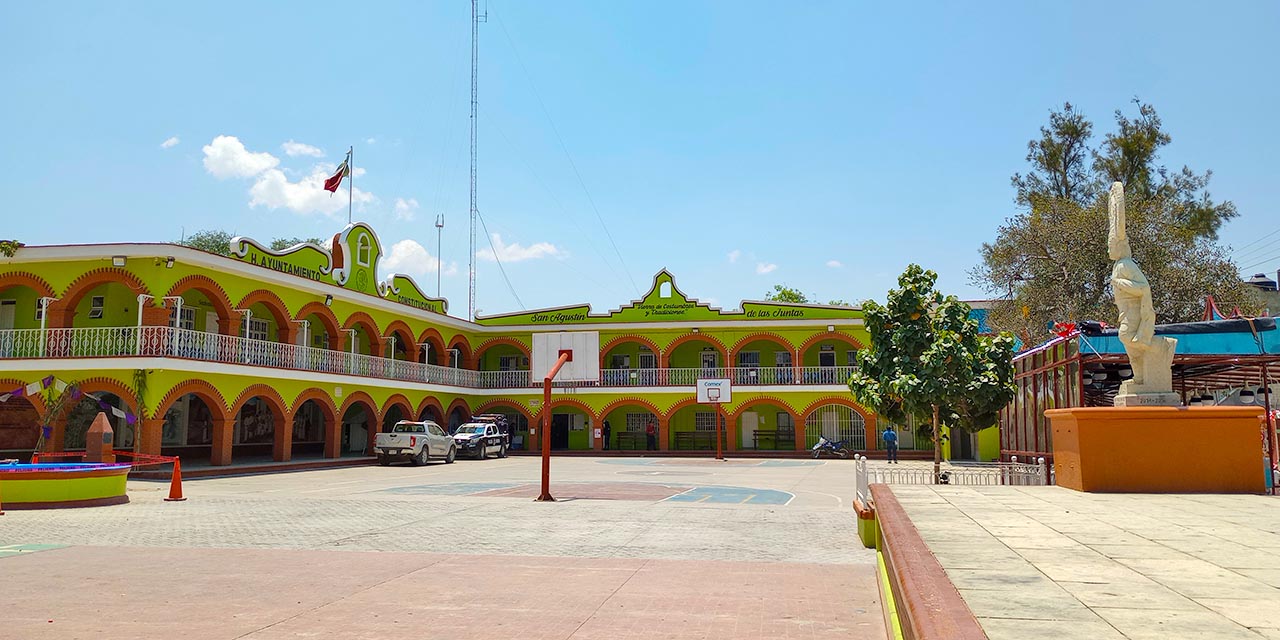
(719, 434)
(545, 496)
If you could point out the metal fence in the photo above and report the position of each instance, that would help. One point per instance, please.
(1014, 473)
(199, 345)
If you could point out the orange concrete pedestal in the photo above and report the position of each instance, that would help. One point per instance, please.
(1158, 449)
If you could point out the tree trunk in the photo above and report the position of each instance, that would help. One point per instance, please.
(937, 447)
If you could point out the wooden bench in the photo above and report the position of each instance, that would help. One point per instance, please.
(695, 440)
(629, 440)
(779, 439)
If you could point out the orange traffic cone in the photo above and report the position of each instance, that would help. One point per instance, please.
(175, 485)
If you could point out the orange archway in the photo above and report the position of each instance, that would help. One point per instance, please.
(326, 317)
(28, 280)
(62, 311)
(220, 425)
(279, 311)
(758, 337)
(404, 338)
(826, 336)
(281, 419)
(430, 403)
(361, 320)
(397, 400)
(577, 404)
(494, 342)
(630, 402)
(305, 435)
(212, 291)
(767, 400)
(460, 342)
(842, 401)
(435, 345)
(620, 340)
(490, 405)
(22, 422)
(371, 424)
(692, 337)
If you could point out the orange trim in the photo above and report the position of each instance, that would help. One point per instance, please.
(770, 400)
(493, 404)
(457, 403)
(433, 403)
(325, 314)
(406, 407)
(629, 338)
(569, 402)
(361, 397)
(279, 310)
(61, 312)
(265, 392)
(692, 337)
(370, 327)
(201, 389)
(36, 401)
(867, 417)
(464, 355)
(629, 401)
(757, 337)
(829, 335)
(493, 342)
(322, 398)
(433, 337)
(28, 280)
(216, 295)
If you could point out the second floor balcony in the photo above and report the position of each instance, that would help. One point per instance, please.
(169, 342)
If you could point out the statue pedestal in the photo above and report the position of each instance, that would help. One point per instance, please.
(1148, 400)
(1158, 449)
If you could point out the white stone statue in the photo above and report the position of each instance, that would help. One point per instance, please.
(1150, 356)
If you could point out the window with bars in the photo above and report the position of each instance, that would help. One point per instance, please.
(637, 421)
(508, 363)
(187, 321)
(852, 357)
(258, 329)
(648, 360)
(749, 359)
(781, 358)
(704, 421)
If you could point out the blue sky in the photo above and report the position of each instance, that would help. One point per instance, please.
(739, 144)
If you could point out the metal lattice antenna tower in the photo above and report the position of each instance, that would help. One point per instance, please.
(476, 19)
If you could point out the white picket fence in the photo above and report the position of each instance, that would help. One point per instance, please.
(1012, 473)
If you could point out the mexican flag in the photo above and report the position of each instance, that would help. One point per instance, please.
(344, 170)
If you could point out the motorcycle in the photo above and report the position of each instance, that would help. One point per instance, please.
(839, 449)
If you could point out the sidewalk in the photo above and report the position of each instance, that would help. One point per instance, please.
(1048, 561)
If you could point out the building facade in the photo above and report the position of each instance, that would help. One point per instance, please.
(307, 353)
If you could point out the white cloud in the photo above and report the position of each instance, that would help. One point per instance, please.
(226, 157)
(734, 255)
(763, 268)
(406, 210)
(171, 142)
(515, 253)
(410, 257)
(371, 141)
(834, 264)
(357, 172)
(274, 190)
(292, 149)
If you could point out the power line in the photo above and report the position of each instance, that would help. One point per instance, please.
(1272, 259)
(1258, 240)
(565, 149)
(498, 259)
(1258, 250)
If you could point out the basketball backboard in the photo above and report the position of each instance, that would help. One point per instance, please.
(715, 391)
(585, 347)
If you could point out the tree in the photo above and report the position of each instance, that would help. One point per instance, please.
(927, 361)
(211, 240)
(280, 244)
(1049, 262)
(783, 293)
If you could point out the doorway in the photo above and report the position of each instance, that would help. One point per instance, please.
(962, 445)
(560, 431)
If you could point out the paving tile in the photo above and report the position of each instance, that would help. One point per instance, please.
(1011, 629)
(1167, 624)
(1046, 602)
(1255, 610)
(1129, 594)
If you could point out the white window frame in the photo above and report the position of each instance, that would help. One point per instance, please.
(258, 329)
(749, 359)
(620, 361)
(782, 358)
(364, 250)
(704, 421)
(648, 360)
(97, 306)
(188, 320)
(509, 363)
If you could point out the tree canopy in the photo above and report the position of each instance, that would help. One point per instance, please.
(280, 244)
(926, 353)
(1049, 261)
(784, 293)
(211, 240)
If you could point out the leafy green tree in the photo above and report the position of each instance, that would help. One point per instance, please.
(783, 293)
(1049, 262)
(211, 240)
(9, 247)
(280, 244)
(927, 361)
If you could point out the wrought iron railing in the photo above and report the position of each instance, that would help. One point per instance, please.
(1012, 473)
(213, 347)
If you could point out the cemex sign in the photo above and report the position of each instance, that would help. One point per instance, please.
(715, 391)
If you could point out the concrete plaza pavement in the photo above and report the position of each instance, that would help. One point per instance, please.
(1051, 562)
(639, 547)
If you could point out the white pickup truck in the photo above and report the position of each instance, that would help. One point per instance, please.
(417, 442)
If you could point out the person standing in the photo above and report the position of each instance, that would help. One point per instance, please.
(890, 438)
(606, 431)
(651, 436)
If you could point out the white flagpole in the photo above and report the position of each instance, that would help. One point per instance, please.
(351, 182)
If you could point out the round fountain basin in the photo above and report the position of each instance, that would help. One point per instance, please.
(52, 485)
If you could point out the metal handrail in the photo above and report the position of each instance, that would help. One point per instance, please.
(92, 342)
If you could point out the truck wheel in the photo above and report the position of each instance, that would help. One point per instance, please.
(482, 451)
(453, 454)
(384, 459)
(422, 457)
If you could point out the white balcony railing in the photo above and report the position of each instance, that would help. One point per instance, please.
(212, 347)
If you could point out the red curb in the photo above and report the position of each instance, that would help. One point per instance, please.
(929, 606)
